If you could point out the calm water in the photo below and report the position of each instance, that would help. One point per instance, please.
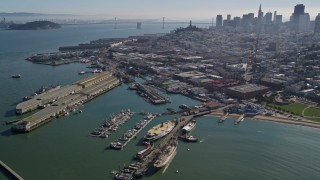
(62, 149)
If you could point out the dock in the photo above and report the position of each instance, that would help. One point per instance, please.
(239, 120)
(63, 100)
(149, 94)
(148, 119)
(10, 171)
(150, 159)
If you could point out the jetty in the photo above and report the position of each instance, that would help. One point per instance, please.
(121, 142)
(10, 171)
(223, 118)
(239, 120)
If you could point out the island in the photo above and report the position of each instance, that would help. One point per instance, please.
(35, 25)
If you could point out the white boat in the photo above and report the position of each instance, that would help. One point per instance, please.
(159, 131)
(82, 72)
(240, 119)
(189, 126)
(166, 156)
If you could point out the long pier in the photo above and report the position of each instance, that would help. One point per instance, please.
(8, 169)
(137, 132)
(149, 160)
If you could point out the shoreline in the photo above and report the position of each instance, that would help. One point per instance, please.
(274, 119)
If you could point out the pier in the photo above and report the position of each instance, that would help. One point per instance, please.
(150, 94)
(10, 171)
(135, 131)
(150, 159)
(63, 100)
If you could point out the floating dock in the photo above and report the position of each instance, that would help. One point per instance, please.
(148, 119)
(63, 100)
(10, 171)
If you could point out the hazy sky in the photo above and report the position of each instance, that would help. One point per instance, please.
(171, 9)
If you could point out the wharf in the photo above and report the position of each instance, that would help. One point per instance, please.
(61, 101)
(136, 132)
(8, 169)
(151, 158)
(152, 95)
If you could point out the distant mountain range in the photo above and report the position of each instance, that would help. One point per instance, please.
(2, 14)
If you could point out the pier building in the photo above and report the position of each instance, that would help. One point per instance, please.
(59, 101)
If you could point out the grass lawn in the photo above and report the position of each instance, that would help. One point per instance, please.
(314, 119)
(312, 112)
(295, 108)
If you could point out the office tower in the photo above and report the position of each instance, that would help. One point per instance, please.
(219, 21)
(303, 23)
(278, 19)
(260, 13)
(268, 18)
(274, 16)
(229, 17)
(237, 21)
(317, 24)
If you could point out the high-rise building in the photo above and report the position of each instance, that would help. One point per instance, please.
(229, 17)
(299, 9)
(219, 20)
(278, 19)
(317, 24)
(303, 23)
(274, 16)
(299, 19)
(268, 18)
(260, 13)
(237, 21)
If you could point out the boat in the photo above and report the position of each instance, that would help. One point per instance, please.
(123, 176)
(166, 156)
(17, 76)
(183, 106)
(116, 145)
(187, 128)
(187, 138)
(81, 72)
(141, 154)
(159, 131)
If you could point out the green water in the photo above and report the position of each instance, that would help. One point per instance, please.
(62, 148)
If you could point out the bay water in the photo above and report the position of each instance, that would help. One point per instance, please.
(63, 149)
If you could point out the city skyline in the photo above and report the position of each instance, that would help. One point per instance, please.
(146, 9)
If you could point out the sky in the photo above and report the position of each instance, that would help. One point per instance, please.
(156, 9)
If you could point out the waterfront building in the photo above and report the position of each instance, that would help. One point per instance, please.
(246, 91)
(317, 24)
(219, 20)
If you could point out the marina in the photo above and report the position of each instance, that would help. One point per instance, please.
(121, 142)
(112, 124)
(158, 153)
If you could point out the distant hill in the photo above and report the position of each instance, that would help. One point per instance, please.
(5, 14)
(35, 25)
